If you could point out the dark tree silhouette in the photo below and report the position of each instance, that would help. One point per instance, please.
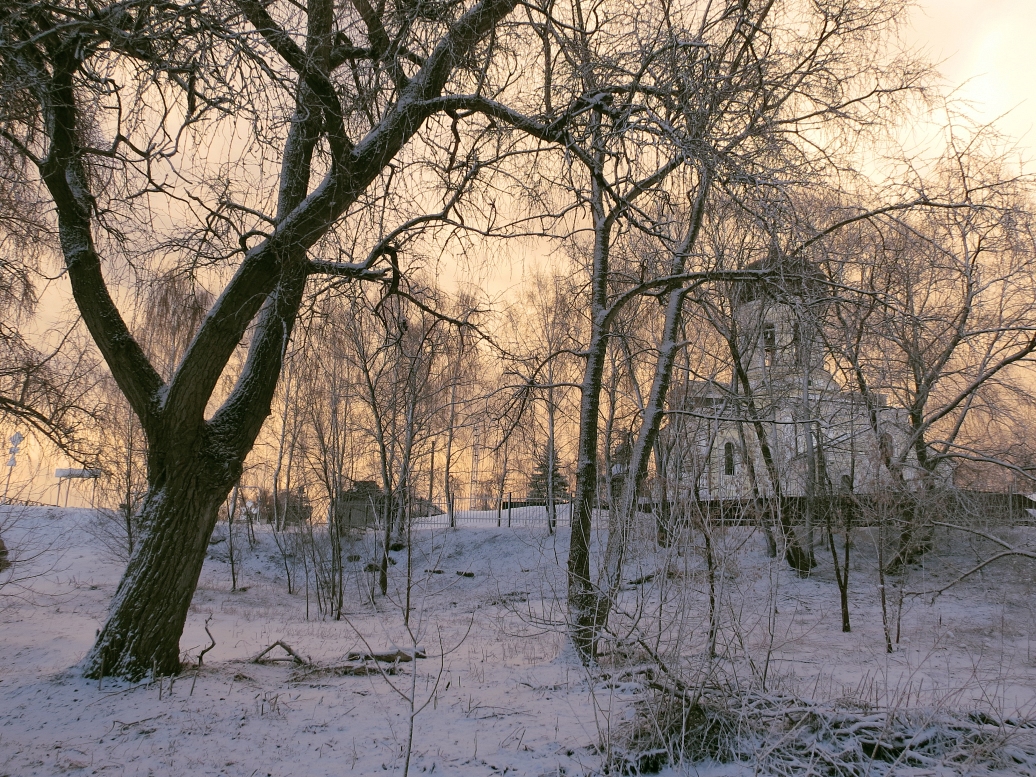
(99, 101)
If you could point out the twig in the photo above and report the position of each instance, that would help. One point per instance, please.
(201, 655)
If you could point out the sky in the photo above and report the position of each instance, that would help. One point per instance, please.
(986, 46)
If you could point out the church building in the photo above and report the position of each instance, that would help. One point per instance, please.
(793, 430)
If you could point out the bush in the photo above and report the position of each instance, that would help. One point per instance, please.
(784, 735)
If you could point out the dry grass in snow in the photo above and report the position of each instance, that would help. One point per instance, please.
(499, 691)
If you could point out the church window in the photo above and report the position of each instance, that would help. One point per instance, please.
(728, 458)
(769, 342)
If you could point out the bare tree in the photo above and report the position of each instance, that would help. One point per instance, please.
(71, 69)
(461, 375)
(548, 325)
(330, 392)
(939, 321)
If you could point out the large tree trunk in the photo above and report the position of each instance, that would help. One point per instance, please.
(147, 615)
(190, 474)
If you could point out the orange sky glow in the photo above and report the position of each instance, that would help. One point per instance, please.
(984, 48)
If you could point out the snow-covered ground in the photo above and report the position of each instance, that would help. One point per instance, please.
(499, 692)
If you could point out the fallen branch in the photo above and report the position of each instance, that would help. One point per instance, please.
(343, 670)
(388, 656)
(293, 656)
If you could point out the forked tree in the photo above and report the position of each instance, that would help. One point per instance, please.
(122, 111)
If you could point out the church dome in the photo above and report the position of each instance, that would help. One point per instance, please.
(793, 276)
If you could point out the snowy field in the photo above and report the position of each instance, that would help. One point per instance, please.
(499, 691)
